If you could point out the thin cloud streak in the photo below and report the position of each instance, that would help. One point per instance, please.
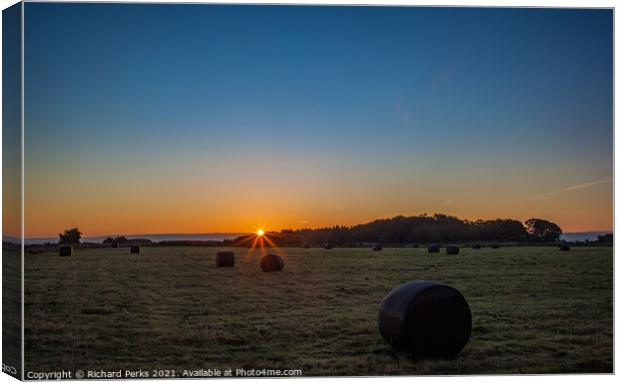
(588, 184)
(574, 187)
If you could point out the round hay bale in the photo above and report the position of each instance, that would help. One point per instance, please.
(426, 319)
(271, 263)
(65, 250)
(328, 246)
(476, 246)
(135, 249)
(377, 247)
(452, 249)
(225, 259)
(434, 248)
(305, 245)
(564, 247)
(495, 246)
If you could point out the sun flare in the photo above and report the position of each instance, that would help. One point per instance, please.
(260, 232)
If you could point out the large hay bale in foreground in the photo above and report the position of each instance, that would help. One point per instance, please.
(225, 259)
(135, 249)
(434, 248)
(426, 319)
(271, 263)
(452, 249)
(328, 246)
(377, 247)
(564, 247)
(65, 250)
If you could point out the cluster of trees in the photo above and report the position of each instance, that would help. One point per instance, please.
(607, 238)
(438, 228)
(70, 236)
(73, 236)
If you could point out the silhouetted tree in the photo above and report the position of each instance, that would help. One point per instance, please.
(543, 230)
(607, 238)
(70, 236)
(121, 240)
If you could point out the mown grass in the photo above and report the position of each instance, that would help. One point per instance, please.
(535, 310)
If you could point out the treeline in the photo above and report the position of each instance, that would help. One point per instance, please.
(438, 228)
(122, 241)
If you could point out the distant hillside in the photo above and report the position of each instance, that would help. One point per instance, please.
(583, 236)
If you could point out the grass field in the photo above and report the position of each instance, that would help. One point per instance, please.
(535, 310)
(11, 311)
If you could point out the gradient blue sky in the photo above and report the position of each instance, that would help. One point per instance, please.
(202, 118)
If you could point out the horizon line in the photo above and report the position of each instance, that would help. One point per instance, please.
(232, 233)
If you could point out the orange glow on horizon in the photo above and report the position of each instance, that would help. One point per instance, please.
(52, 208)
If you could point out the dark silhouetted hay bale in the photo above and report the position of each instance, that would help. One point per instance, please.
(305, 245)
(426, 319)
(434, 248)
(225, 259)
(135, 249)
(476, 246)
(377, 247)
(495, 246)
(65, 250)
(271, 263)
(452, 249)
(564, 247)
(328, 246)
